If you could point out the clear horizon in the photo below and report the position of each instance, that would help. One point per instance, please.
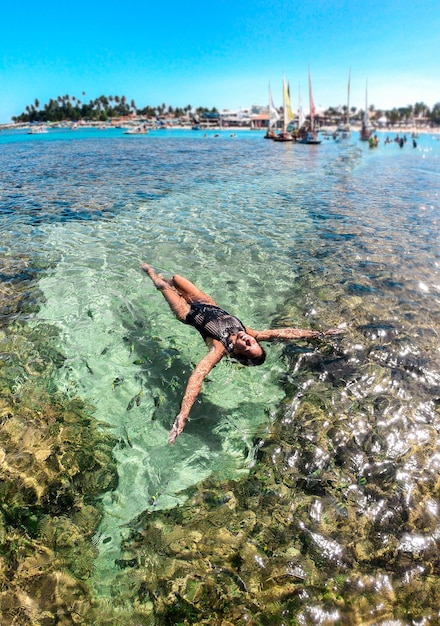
(221, 55)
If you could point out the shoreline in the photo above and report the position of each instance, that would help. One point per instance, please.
(399, 128)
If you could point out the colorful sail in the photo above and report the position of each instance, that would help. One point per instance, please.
(311, 136)
(301, 116)
(288, 113)
(366, 119)
(343, 131)
(273, 113)
(367, 129)
(312, 105)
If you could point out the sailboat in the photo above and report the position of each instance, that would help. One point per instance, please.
(344, 130)
(287, 115)
(367, 129)
(301, 116)
(299, 123)
(311, 136)
(273, 118)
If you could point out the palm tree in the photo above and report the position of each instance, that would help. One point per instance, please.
(420, 109)
(393, 115)
(435, 113)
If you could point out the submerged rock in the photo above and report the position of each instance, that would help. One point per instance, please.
(54, 464)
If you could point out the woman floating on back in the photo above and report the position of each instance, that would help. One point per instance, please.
(223, 334)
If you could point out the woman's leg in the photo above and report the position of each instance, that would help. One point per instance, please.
(190, 292)
(177, 303)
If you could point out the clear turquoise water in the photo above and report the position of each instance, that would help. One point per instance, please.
(291, 235)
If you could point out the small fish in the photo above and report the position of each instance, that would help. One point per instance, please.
(123, 563)
(127, 437)
(154, 497)
(136, 400)
(235, 577)
(339, 506)
(128, 341)
(118, 381)
(214, 499)
(158, 399)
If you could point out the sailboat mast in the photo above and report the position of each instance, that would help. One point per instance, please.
(366, 104)
(285, 111)
(312, 105)
(269, 109)
(300, 109)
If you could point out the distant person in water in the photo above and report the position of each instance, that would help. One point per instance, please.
(223, 333)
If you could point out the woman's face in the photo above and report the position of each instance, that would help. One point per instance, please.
(246, 345)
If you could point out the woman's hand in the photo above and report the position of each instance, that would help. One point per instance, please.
(178, 426)
(333, 331)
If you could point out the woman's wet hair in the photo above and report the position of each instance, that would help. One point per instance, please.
(245, 360)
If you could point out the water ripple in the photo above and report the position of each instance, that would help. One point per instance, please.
(281, 235)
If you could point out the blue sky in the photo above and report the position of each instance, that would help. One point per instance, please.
(221, 53)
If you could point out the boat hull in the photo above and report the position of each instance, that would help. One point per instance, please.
(283, 137)
(310, 138)
(366, 134)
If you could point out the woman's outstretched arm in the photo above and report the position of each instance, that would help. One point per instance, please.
(194, 386)
(290, 333)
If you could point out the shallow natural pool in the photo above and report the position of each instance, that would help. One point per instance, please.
(305, 491)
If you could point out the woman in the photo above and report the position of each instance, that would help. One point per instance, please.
(223, 333)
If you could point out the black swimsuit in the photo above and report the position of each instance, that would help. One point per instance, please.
(212, 321)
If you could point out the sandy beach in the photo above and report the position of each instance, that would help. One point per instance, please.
(136, 121)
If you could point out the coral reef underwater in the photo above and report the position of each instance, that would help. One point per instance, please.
(336, 522)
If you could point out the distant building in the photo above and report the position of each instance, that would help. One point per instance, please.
(260, 120)
(242, 117)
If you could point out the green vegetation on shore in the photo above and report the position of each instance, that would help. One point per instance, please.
(104, 108)
(70, 108)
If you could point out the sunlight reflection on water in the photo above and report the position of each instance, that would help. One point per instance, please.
(280, 236)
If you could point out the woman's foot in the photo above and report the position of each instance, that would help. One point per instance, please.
(158, 281)
(147, 269)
